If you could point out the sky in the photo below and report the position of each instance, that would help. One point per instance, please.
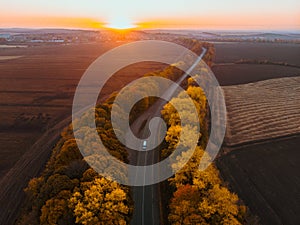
(191, 14)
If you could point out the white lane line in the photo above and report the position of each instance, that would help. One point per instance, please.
(143, 201)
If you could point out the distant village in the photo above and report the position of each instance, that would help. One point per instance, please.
(64, 36)
(69, 36)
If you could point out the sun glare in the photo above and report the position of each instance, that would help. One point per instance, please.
(120, 23)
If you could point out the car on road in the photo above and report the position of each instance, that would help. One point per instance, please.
(144, 145)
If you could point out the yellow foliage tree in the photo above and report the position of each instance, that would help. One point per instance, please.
(56, 210)
(199, 197)
(101, 202)
(204, 201)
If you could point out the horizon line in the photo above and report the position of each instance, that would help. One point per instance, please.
(151, 28)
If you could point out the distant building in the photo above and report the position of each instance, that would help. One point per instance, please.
(37, 41)
(57, 41)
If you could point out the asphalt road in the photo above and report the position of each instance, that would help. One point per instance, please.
(147, 198)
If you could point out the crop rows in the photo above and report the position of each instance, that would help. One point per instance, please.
(262, 110)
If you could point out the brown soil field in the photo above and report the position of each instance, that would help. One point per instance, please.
(279, 52)
(262, 110)
(266, 177)
(36, 90)
(233, 74)
(229, 73)
(13, 145)
(260, 156)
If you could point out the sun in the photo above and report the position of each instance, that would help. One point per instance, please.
(120, 23)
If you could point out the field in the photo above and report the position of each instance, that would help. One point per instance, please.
(233, 51)
(266, 177)
(233, 74)
(36, 90)
(262, 110)
(9, 57)
(260, 155)
(229, 73)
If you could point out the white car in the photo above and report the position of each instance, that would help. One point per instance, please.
(144, 145)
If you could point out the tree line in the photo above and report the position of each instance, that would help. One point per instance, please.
(196, 196)
(69, 191)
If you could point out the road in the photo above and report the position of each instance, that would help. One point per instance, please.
(147, 198)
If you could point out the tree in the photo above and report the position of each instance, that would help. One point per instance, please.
(55, 184)
(199, 197)
(68, 153)
(184, 207)
(101, 202)
(219, 206)
(194, 204)
(56, 210)
(187, 172)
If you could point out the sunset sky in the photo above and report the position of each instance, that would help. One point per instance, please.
(226, 14)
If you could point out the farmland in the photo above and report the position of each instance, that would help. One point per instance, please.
(260, 155)
(233, 51)
(36, 90)
(262, 110)
(266, 177)
(38, 83)
(229, 73)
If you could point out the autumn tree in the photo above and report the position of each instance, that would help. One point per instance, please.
(101, 202)
(173, 118)
(192, 204)
(56, 210)
(199, 197)
(184, 206)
